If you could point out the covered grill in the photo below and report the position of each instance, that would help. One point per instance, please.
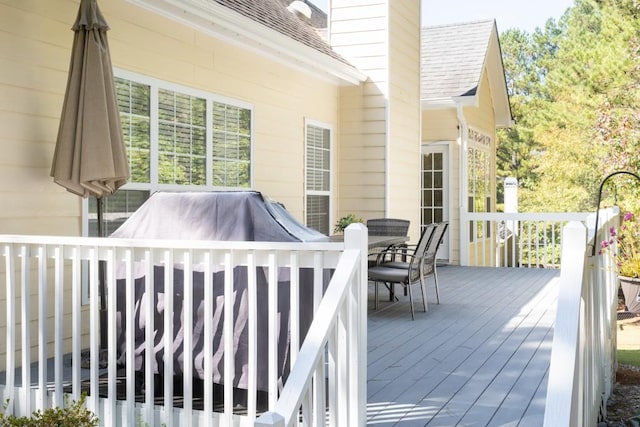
(229, 216)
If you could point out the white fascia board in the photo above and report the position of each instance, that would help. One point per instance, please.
(449, 102)
(220, 22)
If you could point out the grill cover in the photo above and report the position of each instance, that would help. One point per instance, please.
(231, 216)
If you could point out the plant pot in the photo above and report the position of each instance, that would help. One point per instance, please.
(631, 290)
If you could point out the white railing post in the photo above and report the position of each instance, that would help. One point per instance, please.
(356, 237)
(9, 396)
(133, 317)
(564, 367)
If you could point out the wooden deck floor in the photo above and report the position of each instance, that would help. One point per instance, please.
(479, 358)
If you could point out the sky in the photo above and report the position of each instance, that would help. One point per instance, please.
(525, 15)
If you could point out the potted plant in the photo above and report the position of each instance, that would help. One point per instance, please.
(345, 221)
(625, 245)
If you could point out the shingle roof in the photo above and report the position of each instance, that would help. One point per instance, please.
(274, 14)
(453, 57)
(318, 17)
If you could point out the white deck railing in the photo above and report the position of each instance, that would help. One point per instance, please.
(335, 356)
(514, 239)
(583, 358)
(46, 328)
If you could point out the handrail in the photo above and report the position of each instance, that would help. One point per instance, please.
(583, 352)
(312, 350)
(39, 269)
(338, 309)
(514, 239)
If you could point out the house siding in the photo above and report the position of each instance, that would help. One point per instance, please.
(380, 122)
(363, 109)
(35, 46)
(36, 43)
(442, 125)
(404, 115)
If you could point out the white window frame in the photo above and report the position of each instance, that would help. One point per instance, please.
(481, 142)
(155, 84)
(330, 192)
(153, 186)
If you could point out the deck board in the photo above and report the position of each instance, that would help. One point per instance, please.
(481, 357)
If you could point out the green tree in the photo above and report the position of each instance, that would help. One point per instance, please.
(526, 61)
(577, 106)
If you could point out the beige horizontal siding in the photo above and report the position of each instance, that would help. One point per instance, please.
(35, 45)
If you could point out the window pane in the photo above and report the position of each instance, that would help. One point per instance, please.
(181, 138)
(438, 215)
(116, 209)
(219, 172)
(318, 177)
(244, 148)
(427, 216)
(437, 179)
(231, 161)
(428, 179)
(427, 163)
(437, 198)
(479, 173)
(318, 213)
(437, 161)
(318, 159)
(140, 164)
(427, 198)
(133, 104)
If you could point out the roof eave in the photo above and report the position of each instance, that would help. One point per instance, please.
(221, 22)
(502, 115)
(497, 80)
(449, 102)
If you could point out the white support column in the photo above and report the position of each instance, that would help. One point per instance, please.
(356, 236)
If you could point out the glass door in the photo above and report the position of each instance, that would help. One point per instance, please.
(435, 190)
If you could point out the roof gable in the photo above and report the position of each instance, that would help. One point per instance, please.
(454, 58)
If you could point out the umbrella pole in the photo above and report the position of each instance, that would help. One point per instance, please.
(101, 282)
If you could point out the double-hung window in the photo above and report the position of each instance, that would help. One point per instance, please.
(318, 176)
(479, 180)
(177, 139)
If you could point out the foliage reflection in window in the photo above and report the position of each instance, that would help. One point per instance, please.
(176, 140)
(181, 139)
(479, 181)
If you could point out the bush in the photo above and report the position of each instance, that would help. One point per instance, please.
(345, 221)
(73, 414)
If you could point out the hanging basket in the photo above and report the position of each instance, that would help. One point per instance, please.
(631, 290)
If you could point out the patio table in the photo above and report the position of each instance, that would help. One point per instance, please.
(378, 242)
(375, 241)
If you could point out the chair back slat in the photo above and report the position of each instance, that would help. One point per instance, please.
(429, 257)
(421, 247)
(388, 227)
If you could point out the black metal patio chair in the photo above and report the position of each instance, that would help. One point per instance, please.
(429, 259)
(389, 275)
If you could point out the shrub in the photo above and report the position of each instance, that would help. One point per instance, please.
(73, 414)
(345, 221)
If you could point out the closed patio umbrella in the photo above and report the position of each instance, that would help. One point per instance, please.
(90, 157)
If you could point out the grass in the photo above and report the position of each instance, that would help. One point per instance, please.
(629, 357)
(629, 341)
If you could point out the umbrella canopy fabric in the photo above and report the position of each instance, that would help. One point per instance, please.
(90, 156)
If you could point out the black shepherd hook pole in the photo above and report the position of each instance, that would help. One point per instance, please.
(595, 232)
